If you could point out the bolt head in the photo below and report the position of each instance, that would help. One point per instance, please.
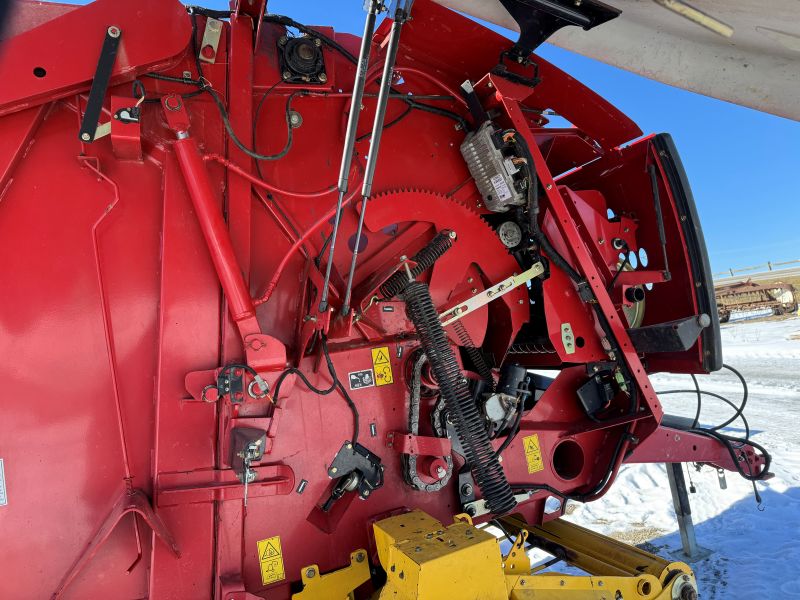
(323, 78)
(114, 31)
(86, 137)
(310, 573)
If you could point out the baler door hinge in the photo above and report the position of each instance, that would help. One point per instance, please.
(89, 126)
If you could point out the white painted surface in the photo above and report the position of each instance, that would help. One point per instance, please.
(758, 67)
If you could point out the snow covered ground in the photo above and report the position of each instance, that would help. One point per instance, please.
(755, 553)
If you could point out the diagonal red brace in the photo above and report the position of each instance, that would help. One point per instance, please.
(133, 501)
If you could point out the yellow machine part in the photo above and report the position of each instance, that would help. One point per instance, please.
(425, 560)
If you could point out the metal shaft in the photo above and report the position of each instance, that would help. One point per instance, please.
(400, 17)
(350, 136)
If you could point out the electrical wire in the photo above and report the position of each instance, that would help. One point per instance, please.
(625, 262)
(289, 129)
(726, 440)
(739, 410)
(335, 385)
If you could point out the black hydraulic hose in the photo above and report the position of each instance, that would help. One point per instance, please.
(469, 424)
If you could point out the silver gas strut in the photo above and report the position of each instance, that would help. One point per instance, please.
(402, 10)
(375, 6)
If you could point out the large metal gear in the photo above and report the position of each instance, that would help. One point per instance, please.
(476, 244)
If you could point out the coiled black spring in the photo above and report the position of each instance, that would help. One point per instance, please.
(483, 368)
(441, 243)
(469, 425)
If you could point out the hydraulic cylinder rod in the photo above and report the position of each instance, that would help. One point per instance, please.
(402, 11)
(350, 136)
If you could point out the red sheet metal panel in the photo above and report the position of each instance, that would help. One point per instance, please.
(119, 273)
(59, 57)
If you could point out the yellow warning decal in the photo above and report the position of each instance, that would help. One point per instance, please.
(270, 557)
(382, 366)
(533, 453)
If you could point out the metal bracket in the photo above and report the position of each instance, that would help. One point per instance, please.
(517, 562)
(357, 469)
(420, 445)
(539, 19)
(337, 584)
(478, 508)
(210, 43)
(567, 338)
(492, 293)
(94, 106)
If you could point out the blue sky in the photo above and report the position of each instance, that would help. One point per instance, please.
(744, 166)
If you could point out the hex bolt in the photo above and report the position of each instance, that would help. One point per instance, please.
(287, 75)
(114, 31)
(360, 557)
(323, 78)
(310, 573)
(466, 489)
(317, 42)
(86, 137)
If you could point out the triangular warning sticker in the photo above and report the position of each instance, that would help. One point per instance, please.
(380, 358)
(269, 551)
(530, 445)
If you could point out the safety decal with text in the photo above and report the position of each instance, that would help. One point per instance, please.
(382, 366)
(270, 558)
(533, 453)
(361, 379)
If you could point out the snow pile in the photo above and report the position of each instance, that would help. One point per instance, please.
(755, 553)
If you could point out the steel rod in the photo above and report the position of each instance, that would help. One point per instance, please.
(350, 137)
(400, 17)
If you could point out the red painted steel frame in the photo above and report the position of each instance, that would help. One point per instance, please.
(161, 270)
